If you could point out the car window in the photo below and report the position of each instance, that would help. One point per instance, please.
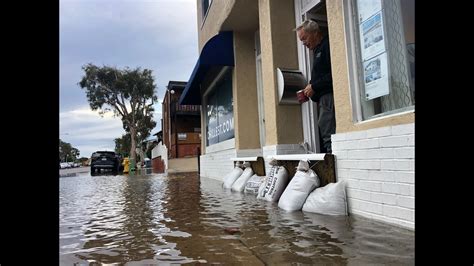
(103, 153)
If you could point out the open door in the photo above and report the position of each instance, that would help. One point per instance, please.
(314, 9)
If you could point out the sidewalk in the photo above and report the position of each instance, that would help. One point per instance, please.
(73, 171)
(183, 165)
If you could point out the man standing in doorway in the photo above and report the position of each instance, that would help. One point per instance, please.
(320, 88)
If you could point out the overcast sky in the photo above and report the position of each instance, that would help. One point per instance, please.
(160, 35)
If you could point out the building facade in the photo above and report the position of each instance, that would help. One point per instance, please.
(181, 124)
(245, 44)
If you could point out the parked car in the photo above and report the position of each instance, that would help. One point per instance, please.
(105, 160)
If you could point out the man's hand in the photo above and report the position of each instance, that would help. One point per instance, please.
(308, 91)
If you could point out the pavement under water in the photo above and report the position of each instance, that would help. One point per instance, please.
(155, 219)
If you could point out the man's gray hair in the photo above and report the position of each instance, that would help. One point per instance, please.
(309, 26)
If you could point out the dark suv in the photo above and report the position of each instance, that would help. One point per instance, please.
(105, 160)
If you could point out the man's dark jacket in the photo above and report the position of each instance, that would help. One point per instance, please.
(321, 77)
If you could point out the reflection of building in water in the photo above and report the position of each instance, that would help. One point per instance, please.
(299, 235)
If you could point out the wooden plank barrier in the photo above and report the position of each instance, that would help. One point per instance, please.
(323, 164)
(256, 162)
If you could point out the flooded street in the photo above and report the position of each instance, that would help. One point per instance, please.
(181, 218)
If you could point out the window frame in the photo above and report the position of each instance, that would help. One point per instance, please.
(205, 12)
(211, 88)
(354, 60)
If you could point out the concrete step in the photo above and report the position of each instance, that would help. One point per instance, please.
(183, 165)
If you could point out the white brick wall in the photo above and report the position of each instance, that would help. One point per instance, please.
(217, 164)
(378, 166)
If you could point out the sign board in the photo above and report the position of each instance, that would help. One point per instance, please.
(376, 78)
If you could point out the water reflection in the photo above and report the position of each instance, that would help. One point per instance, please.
(123, 231)
(155, 219)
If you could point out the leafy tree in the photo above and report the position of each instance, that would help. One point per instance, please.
(75, 153)
(83, 160)
(122, 145)
(145, 125)
(149, 147)
(67, 153)
(129, 93)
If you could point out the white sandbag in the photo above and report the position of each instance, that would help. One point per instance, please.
(239, 184)
(330, 200)
(295, 194)
(230, 178)
(262, 186)
(274, 184)
(253, 184)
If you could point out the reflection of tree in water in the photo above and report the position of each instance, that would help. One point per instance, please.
(127, 236)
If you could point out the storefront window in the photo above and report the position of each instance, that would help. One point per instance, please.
(383, 47)
(220, 111)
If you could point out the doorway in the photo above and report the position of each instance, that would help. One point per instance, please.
(316, 10)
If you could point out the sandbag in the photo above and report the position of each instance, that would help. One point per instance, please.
(239, 184)
(330, 200)
(253, 184)
(274, 184)
(230, 178)
(295, 194)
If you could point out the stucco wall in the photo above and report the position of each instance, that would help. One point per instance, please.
(218, 12)
(283, 123)
(339, 62)
(245, 92)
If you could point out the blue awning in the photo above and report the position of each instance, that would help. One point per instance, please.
(218, 51)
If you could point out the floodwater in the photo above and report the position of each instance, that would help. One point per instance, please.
(181, 218)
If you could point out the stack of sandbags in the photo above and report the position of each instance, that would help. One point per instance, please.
(253, 184)
(275, 183)
(230, 178)
(295, 194)
(330, 200)
(239, 184)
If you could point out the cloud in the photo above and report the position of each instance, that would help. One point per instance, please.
(84, 127)
(87, 131)
(157, 35)
(160, 35)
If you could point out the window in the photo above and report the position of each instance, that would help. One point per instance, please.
(182, 136)
(260, 94)
(205, 7)
(382, 55)
(220, 111)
